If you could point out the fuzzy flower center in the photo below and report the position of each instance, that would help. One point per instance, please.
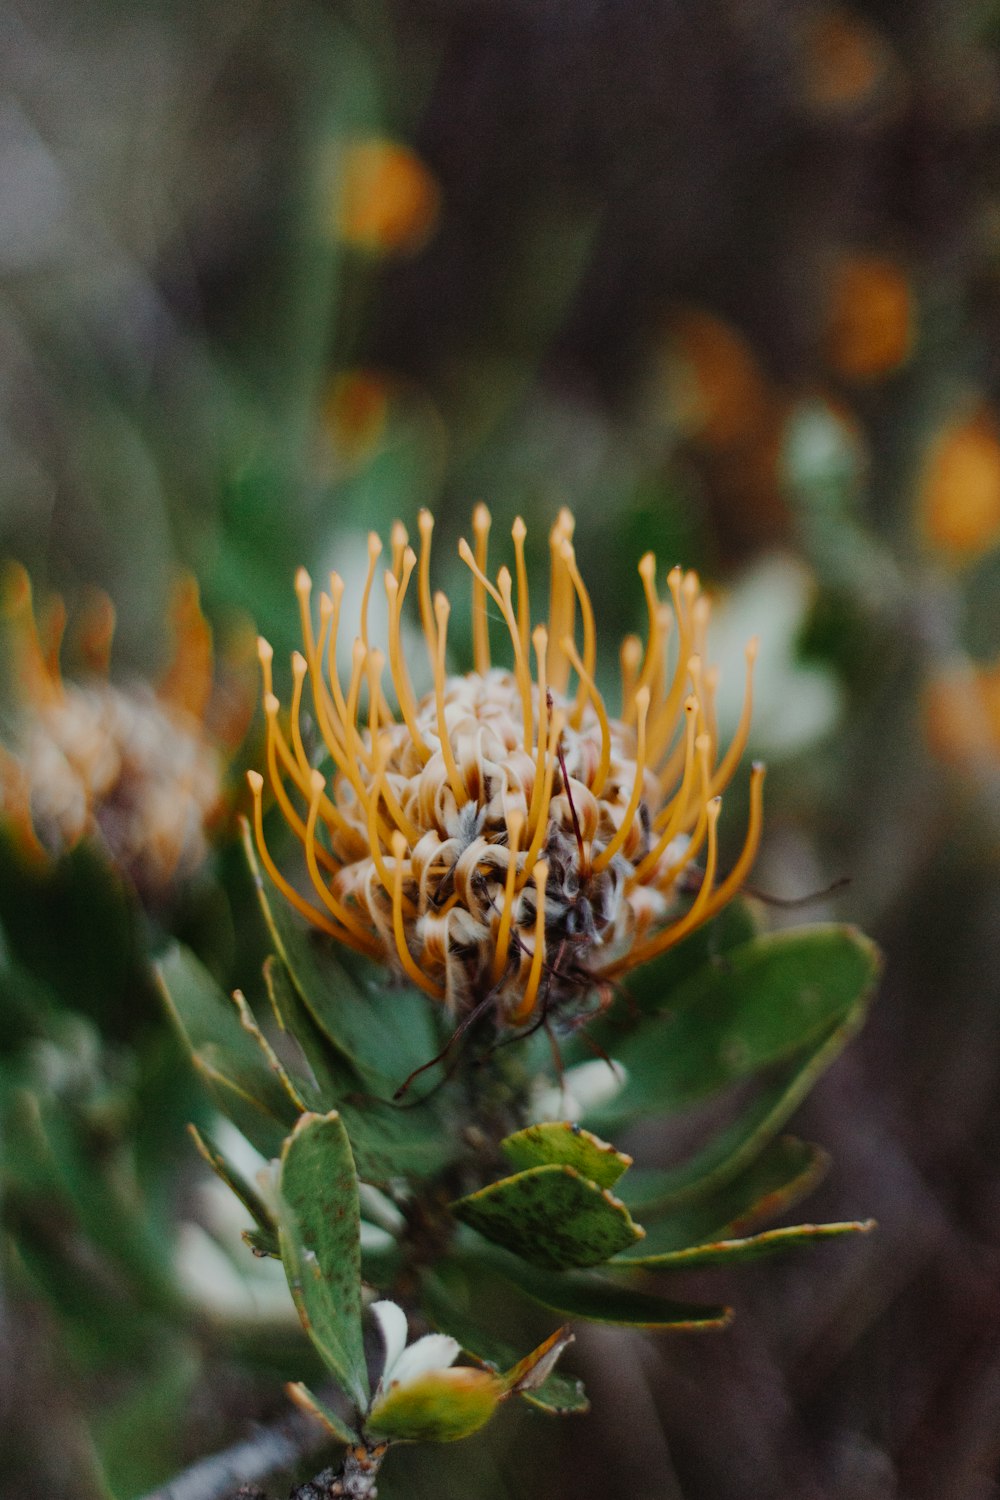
(505, 838)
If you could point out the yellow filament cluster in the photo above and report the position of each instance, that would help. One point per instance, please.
(436, 835)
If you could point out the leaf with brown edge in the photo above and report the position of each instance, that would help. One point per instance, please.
(753, 1247)
(319, 1231)
(559, 1141)
(551, 1216)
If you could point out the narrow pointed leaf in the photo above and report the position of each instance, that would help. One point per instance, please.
(383, 1033)
(785, 1171)
(570, 1145)
(729, 1151)
(551, 1216)
(319, 1234)
(307, 1401)
(247, 1113)
(754, 1247)
(210, 1024)
(596, 1298)
(238, 1184)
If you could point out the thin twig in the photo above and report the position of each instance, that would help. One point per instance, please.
(285, 1445)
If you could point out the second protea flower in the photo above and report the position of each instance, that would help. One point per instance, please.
(507, 839)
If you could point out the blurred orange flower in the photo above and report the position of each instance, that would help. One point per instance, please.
(388, 202)
(959, 496)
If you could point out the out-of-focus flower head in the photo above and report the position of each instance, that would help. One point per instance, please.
(138, 769)
(506, 839)
(959, 493)
(387, 202)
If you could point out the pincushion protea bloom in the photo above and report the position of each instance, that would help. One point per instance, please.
(140, 771)
(506, 839)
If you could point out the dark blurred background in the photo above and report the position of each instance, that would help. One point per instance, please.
(725, 278)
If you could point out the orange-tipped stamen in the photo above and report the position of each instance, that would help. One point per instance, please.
(299, 669)
(562, 598)
(589, 632)
(630, 655)
(676, 809)
(425, 523)
(515, 826)
(501, 595)
(374, 553)
(519, 531)
(604, 856)
(398, 539)
(405, 697)
(539, 821)
(311, 914)
(521, 1013)
(363, 938)
(442, 609)
(540, 641)
(481, 521)
(277, 782)
(522, 672)
(748, 854)
(411, 969)
(587, 681)
(303, 591)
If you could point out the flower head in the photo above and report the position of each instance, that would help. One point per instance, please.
(136, 769)
(506, 837)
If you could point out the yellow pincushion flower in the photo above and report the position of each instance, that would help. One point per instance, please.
(505, 838)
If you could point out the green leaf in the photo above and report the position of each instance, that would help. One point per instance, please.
(755, 1247)
(211, 1025)
(383, 1031)
(333, 1076)
(651, 988)
(265, 1240)
(319, 1234)
(412, 1139)
(572, 1146)
(551, 1216)
(785, 1171)
(730, 1150)
(558, 1395)
(308, 1402)
(393, 1141)
(582, 1294)
(768, 1000)
(74, 924)
(441, 1406)
(251, 1118)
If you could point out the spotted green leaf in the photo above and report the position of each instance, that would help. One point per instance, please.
(319, 1234)
(558, 1142)
(551, 1216)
